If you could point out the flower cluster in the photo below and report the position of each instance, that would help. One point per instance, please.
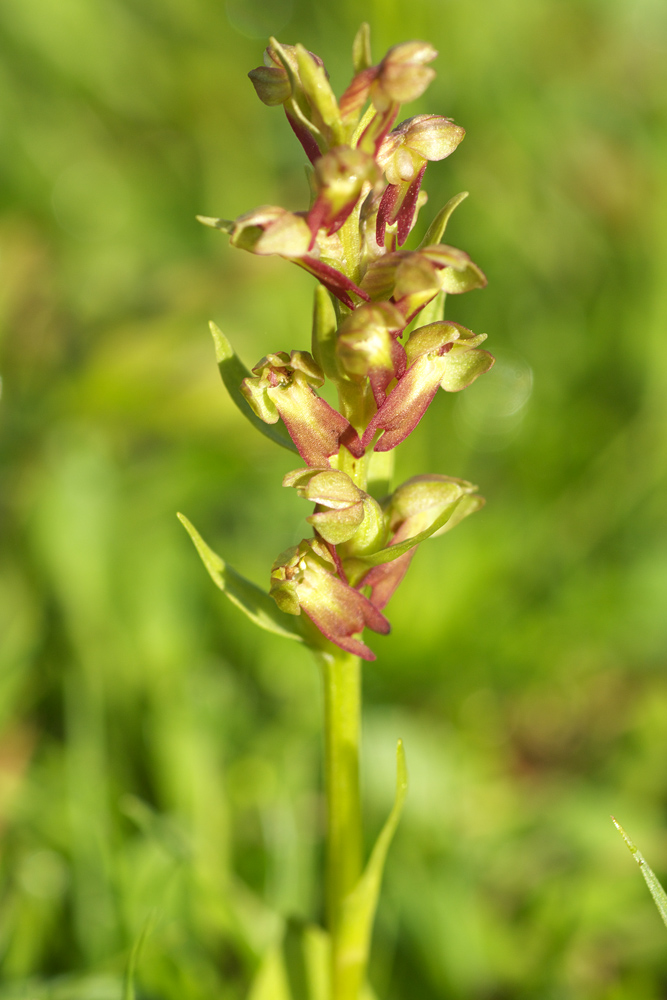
(379, 332)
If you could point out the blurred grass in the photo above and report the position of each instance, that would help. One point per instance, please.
(159, 760)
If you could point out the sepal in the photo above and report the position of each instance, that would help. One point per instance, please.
(403, 75)
(340, 176)
(271, 230)
(249, 598)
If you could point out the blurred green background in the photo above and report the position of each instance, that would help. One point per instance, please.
(160, 759)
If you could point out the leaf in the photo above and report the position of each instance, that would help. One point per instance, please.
(298, 968)
(254, 602)
(324, 333)
(226, 225)
(361, 49)
(358, 910)
(233, 371)
(433, 311)
(128, 984)
(656, 890)
(318, 90)
(436, 230)
(392, 552)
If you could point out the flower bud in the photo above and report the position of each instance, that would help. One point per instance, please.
(340, 177)
(366, 338)
(403, 156)
(271, 84)
(390, 277)
(344, 514)
(270, 229)
(304, 578)
(412, 509)
(403, 75)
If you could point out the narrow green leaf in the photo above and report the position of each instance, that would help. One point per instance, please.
(128, 985)
(358, 912)
(295, 84)
(436, 230)
(656, 890)
(298, 968)
(433, 311)
(254, 602)
(318, 90)
(392, 552)
(233, 371)
(226, 225)
(361, 49)
(324, 333)
(271, 983)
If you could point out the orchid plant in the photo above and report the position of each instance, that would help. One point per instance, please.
(379, 335)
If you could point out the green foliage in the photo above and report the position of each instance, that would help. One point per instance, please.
(232, 372)
(533, 696)
(254, 602)
(656, 890)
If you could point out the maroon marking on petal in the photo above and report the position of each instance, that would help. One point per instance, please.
(385, 211)
(316, 428)
(354, 97)
(340, 219)
(399, 359)
(346, 642)
(406, 214)
(335, 281)
(390, 116)
(338, 563)
(352, 442)
(379, 380)
(310, 147)
(404, 407)
(383, 580)
(316, 219)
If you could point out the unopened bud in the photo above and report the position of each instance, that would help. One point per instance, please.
(403, 74)
(367, 337)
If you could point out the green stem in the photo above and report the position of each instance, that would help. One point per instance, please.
(342, 723)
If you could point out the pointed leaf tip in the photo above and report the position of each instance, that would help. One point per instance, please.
(224, 224)
(252, 600)
(655, 888)
(437, 228)
(233, 372)
(359, 907)
(223, 349)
